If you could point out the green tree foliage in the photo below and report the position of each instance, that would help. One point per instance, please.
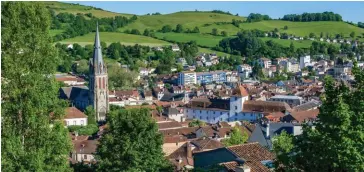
(77, 25)
(285, 28)
(29, 92)
(283, 145)
(236, 22)
(196, 30)
(255, 17)
(237, 137)
(120, 78)
(214, 32)
(82, 67)
(352, 35)
(196, 123)
(131, 143)
(91, 115)
(135, 32)
(336, 143)
(146, 32)
(224, 33)
(312, 35)
(87, 130)
(179, 28)
(307, 17)
(166, 28)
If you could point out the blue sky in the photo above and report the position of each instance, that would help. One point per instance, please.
(350, 11)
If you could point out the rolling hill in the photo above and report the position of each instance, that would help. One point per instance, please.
(205, 21)
(60, 7)
(188, 19)
(110, 37)
(305, 28)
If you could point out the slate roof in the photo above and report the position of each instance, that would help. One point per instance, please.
(212, 157)
(74, 93)
(168, 97)
(307, 106)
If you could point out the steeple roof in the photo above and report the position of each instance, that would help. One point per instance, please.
(97, 56)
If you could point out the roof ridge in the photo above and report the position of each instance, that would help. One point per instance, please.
(251, 143)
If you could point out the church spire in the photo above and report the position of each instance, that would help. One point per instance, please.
(97, 57)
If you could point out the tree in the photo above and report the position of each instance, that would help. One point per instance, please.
(291, 48)
(120, 78)
(131, 143)
(33, 141)
(312, 35)
(82, 67)
(335, 144)
(352, 35)
(196, 30)
(146, 32)
(166, 28)
(91, 115)
(285, 27)
(179, 28)
(135, 32)
(214, 32)
(196, 123)
(237, 137)
(321, 35)
(224, 33)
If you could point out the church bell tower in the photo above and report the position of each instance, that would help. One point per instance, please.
(98, 81)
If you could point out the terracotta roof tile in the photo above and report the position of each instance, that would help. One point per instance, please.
(240, 91)
(252, 152)
(72, 112)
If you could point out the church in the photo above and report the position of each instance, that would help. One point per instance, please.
(97, 93)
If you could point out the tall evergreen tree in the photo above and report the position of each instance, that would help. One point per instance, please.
(131, 143)
(31, 140)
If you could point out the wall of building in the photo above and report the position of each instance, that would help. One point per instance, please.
(83, 157)
(177, 117)
(76, 121)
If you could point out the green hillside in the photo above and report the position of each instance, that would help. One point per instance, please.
(110, 37)
(60, 7)
(201, 39)
(187, 19)
(287, 43)
(304, 28)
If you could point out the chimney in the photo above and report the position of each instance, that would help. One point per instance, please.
(267, 132)
(189, 151)
(242, 168)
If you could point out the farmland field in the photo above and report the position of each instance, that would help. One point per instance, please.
(110, 37)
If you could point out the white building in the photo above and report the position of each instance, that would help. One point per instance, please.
(244, 71)
(264, 62)
(237, 108)
(187, 78)
(174, 113)
(291, 100)
(83, 151)
(75, 117)
(305, 61)
(175, 47)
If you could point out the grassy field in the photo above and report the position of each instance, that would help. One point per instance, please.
(206, 50)
(287, 43)
(60, 7)
(110, 37)
(187, 19)
(55, 32)
(304, 28)
(201, 39)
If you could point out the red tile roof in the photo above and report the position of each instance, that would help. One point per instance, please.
(252, 152)
(72, 112)
(240, 91)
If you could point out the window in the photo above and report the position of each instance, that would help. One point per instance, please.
(84, 156)
(214, 112)
(74, 122)
(82, 122)
(220, 119)
(68, 123)
(236, 107)
(200, 111)
(200, 117)
(194, 117)
(214, 118)
(103, 82)
(207, 118)
(186, 110)
(251, 114)
(236, 113)
(99, 83)
(220, 113)
(236, 119)
(193, 111)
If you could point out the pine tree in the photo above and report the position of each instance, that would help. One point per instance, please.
(131, 143)
(31, 140)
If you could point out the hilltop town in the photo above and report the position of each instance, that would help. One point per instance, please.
(238, 99)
